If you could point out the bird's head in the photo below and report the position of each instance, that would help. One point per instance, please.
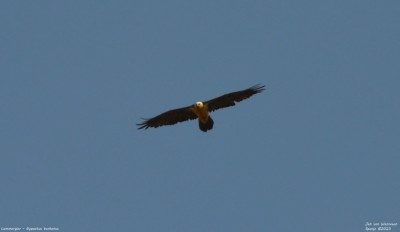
(198, 105)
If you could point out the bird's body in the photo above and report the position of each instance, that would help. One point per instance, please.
(200, 110)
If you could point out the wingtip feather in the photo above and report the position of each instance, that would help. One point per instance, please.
(258, 88)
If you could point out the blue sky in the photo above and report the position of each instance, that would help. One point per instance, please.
(317, 151)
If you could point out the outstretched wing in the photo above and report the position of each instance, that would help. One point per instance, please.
(169, 118)
(230, 98)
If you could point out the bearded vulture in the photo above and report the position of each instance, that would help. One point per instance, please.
(200, 110)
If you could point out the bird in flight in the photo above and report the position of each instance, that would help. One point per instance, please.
(200, 110)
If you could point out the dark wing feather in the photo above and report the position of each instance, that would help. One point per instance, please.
(230, 98)
(169, 118)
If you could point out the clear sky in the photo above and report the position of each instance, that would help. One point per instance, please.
(317, 151)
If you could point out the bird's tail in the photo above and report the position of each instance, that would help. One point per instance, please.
(208, 125)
